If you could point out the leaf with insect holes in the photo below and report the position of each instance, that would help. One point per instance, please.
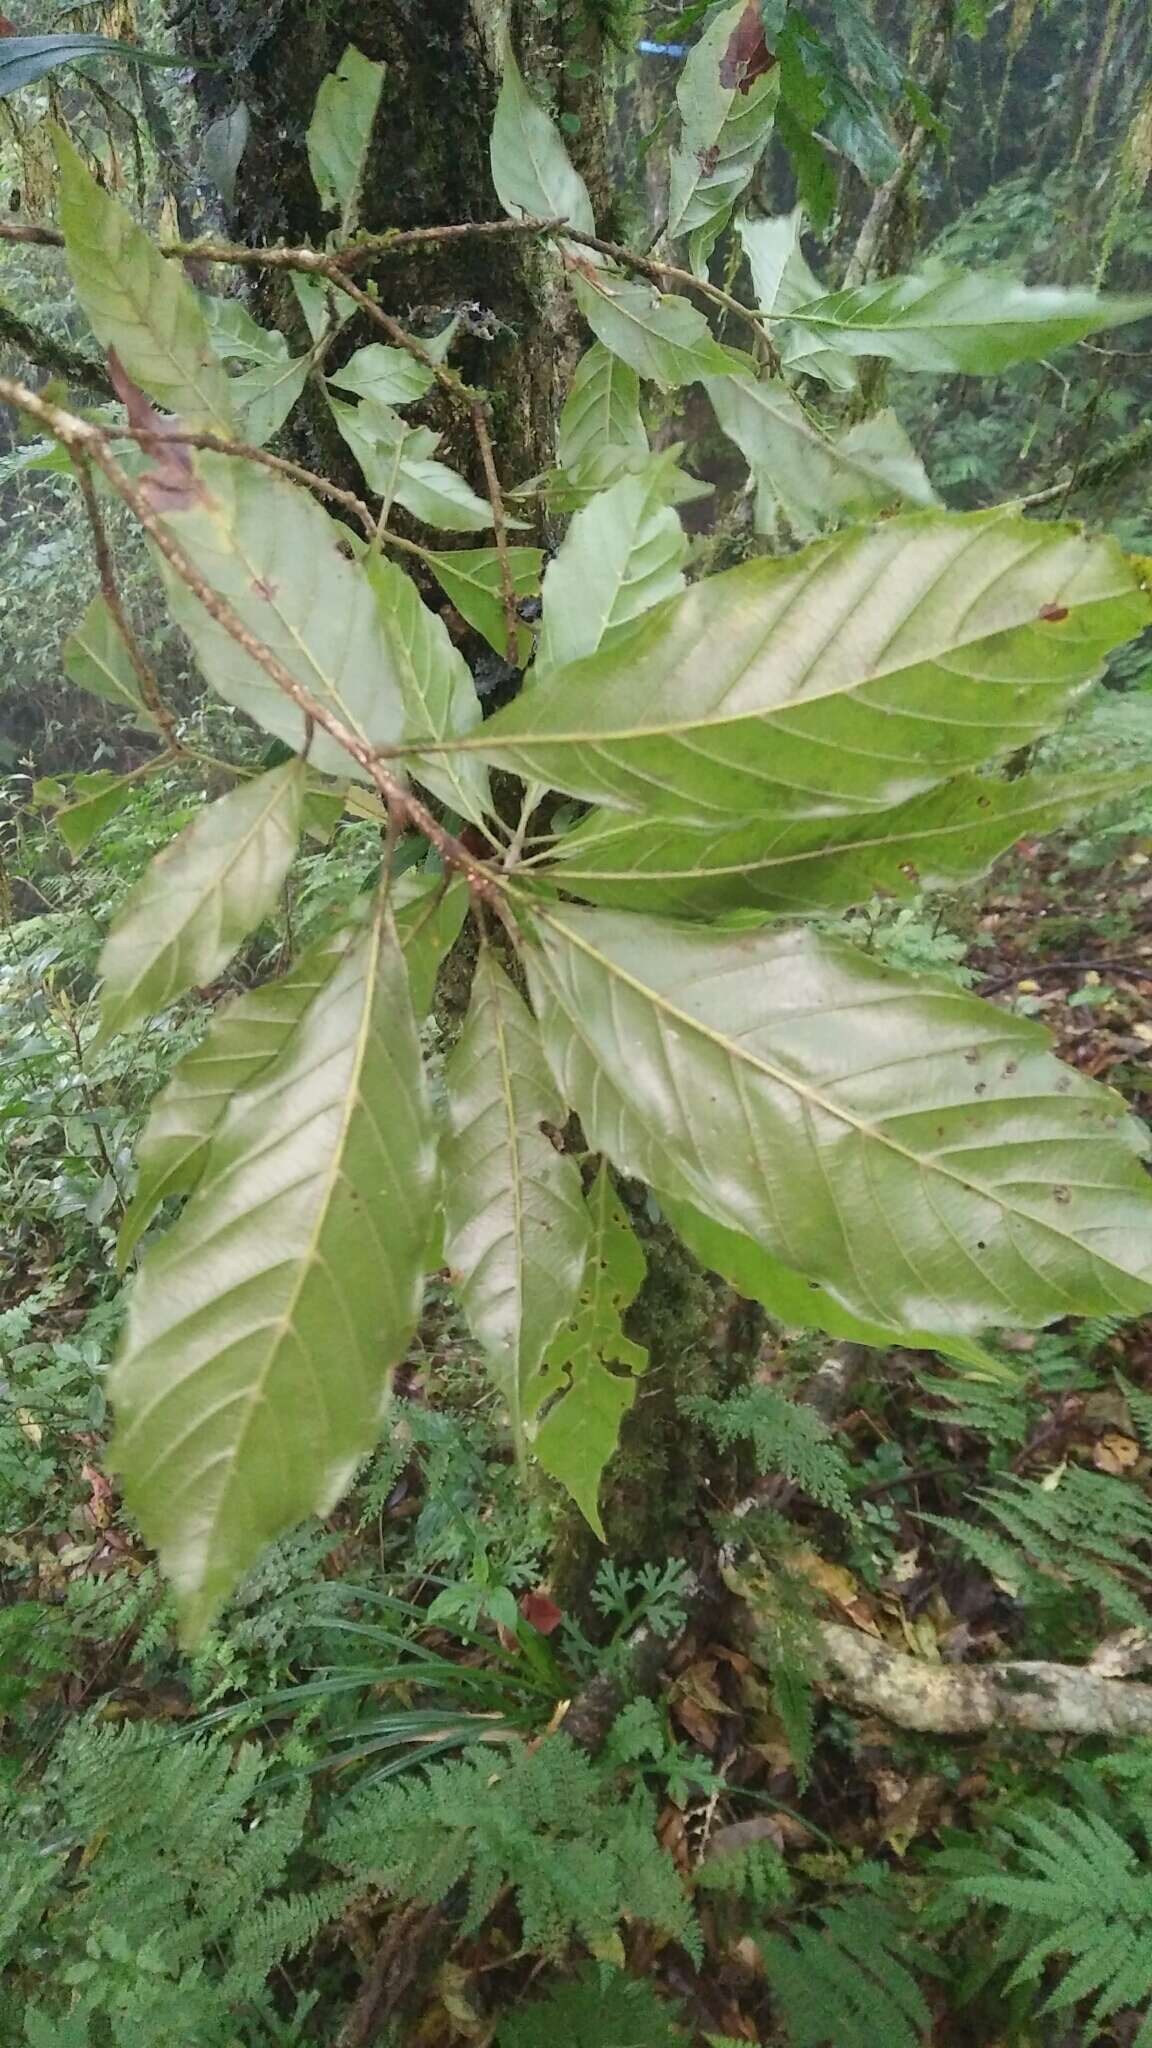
(664, 339)
(246, 1039)
(197, 903)
(340, 134)
(601, 411)
(917, 1151)
(96, 659)
(437, 687)
(726, 121)
(399, 464)
(138, 303)
(580, 1431)
(389, 375)
(622, 555)
(849, 677)
(532, 171)
(262, 1330)
(276, 557)
(471, 578)
(967, 321)
(516, 1231)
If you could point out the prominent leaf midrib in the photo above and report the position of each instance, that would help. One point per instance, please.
(508, 1105)
(810, 1096)
(326, 682)
(164, 340)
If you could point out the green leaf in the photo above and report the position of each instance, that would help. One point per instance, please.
(389, 375)
(622, 555)
(340, 134)
(665, 339)
(264, 395)
(247, 1037)
(934, 841)
(516, 1232)
(800, 1304)
(24, 59)
(97, 660)
(397, 461)
(262, 1330)
(95, 800)
(781, 276)
(201, 897)
(853, 675)
(724, 133)
(581, 1429)
(919, 1152)
(533, 174)
(138, 303)
(568, 490)
(275, 555)
(236, 336)
(471, 578)
(602, 410)
(807, 475)
(971, 321)
(436, 685)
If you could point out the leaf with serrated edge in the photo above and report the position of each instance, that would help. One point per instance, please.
(246, 1039)
(532, 171)
(97, 660)
(970, 321)
(201, 897)
(138, 303)
(622, 555)
(262, 1329)
(276, 556)
(340, 133)
(665, 339)
(516, 1232)
(389, 375)
(724, 133)
(437, 687)
(933, 841)
(919, 1152)
(581, 1429)
(602, 409)
(851, 676)
(471, 578)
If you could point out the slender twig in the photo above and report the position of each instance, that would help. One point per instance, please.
(53, 355)
(221, 444)
(651, 267)
(482, 428)
(106, 567)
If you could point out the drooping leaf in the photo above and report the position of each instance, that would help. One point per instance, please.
(95, 800)
(516, 1231)
(97, 660)
(275, 555)
(919, 1152)
(622, 555)
(436, 685)
(581, 1429)
(399, 464)
(971, 321)
(389, 375)
(137, 302)
(602, 409)
(470, 577)
(24, 59)
(263, 1328)
(340, 134)
(851, 676)
(781, 276)
(534, 176)
(663, 338)
(726, 119)
(934, 841)
(264, 395)
(201, 897)
(247, 1038)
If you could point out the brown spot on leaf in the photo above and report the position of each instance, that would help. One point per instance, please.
(747, 56)
(264, 589)
(1054, 612)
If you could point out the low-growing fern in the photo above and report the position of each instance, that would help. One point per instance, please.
(785, 1436)
(1085, 1531)
(755, 1874)
(851, 1982)
(600, 2008)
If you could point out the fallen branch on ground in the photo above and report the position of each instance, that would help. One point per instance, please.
(967, 1699)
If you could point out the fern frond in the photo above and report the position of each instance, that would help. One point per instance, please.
(1086, 1531)
(850, 1983)
(756, 1874)
(600, 2008)
(785, 1436)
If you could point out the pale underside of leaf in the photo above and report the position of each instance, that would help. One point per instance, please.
(602, 409)
(471, 578)
(813, 476)
(400, 466)
(918, 1152)
(724, 133)
(262, 1330)
(623, 554)
(970, 321)
(437, 687)
(664, 339)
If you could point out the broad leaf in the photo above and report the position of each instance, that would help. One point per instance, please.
(601, 411)
(97, 660)
(726, 121)
(436, 685)
(389, 375)
(201, 897)
(274, 554)
(663, 338)
(581, 1429)
(24, 59)
(781, 276)
(934, 841)
(245, 1039)
(471, 578)
(236, 336)
(138, 303)
(919, 1152)
(568, 490)
(262, 1330)
(533, 174)
(95, 800)
(264, 395)
(623, 554)
(971, 321)
(340, 134)
(807, 475)
(516, 1232)
(852, 676)
(398, 464)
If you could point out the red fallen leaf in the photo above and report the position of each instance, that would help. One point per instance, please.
(172, 485)
(747, 57)
(541, 1612)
